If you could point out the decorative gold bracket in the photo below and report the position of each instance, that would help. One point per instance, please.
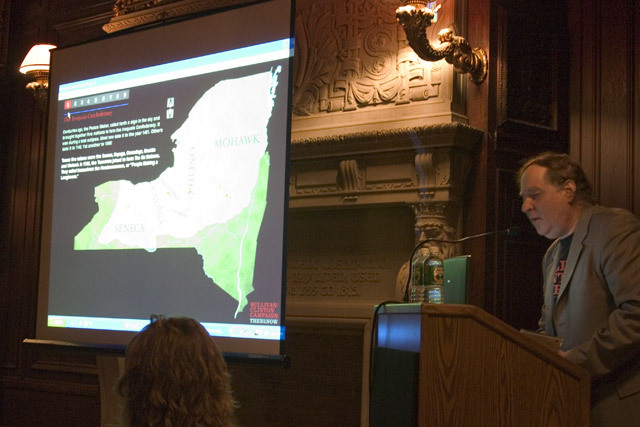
(416, 17)
(39, 87)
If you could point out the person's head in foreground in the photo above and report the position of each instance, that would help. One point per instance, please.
(554, 190)
(175, 376)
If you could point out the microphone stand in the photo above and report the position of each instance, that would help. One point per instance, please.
(511, 231)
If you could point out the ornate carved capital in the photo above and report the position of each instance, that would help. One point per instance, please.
(433, 221)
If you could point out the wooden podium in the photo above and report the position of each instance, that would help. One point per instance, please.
(456, 365)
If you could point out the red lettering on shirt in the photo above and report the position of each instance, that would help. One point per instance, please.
(557, 278)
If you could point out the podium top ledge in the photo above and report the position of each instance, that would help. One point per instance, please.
(417, 307)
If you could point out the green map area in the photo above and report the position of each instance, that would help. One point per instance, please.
(220, 245)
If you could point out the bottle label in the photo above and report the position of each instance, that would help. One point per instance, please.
(436, 275)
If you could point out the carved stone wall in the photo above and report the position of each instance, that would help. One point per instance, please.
(402, 179)
(354, 200)
(355, 72)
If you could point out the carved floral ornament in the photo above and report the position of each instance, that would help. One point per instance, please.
(352, 54)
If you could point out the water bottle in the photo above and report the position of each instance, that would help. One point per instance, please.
(434, 277)
(418, 290)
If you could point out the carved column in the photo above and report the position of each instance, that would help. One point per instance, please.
(432, 221)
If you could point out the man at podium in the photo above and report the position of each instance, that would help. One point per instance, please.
(591, 276)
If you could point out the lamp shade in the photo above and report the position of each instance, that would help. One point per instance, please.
(37, 59)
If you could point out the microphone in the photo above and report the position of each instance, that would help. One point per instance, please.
(512, 231)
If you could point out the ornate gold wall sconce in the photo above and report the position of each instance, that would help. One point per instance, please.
(415, 17)
(36, 67)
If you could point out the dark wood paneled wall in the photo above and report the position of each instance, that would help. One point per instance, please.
(523, 110)
(605, 97)
(37, 386)
(526, 105)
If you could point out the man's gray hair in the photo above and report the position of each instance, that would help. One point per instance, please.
(560, 169)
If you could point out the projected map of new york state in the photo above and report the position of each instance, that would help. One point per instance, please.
(212, 199)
